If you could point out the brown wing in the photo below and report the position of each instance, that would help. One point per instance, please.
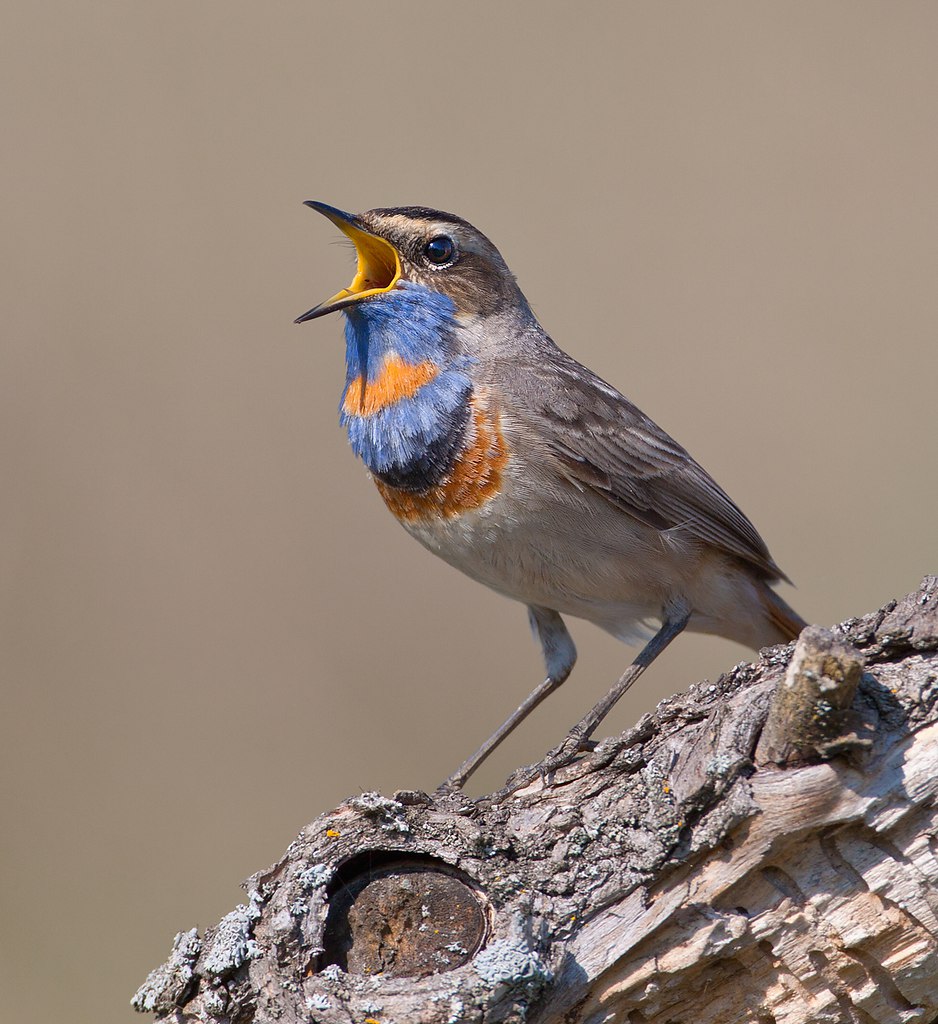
(606, 443)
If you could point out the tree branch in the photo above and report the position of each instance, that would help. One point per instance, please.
(761, 849)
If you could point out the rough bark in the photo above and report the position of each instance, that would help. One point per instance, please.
(704, 867)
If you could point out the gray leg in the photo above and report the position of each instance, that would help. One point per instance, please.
(675, 619)
(559, 657)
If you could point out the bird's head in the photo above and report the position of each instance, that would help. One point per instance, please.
(427, 248)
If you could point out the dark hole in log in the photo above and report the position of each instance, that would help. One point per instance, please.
(402, 916)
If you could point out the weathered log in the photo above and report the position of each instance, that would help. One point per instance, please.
(703, 867)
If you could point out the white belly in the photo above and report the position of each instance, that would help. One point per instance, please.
(584, 559)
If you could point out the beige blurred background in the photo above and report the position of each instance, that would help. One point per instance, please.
(211, 629)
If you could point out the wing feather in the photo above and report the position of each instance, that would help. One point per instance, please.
(604, 442)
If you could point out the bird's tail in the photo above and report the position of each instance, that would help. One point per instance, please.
(782, 616)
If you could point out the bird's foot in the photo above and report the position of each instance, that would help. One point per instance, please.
(560, 757)
(564, 754)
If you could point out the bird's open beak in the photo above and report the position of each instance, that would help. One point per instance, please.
(379, 265)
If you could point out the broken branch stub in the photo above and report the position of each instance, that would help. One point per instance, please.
(809, 712)
(670, 875)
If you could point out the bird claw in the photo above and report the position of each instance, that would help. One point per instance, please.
(560, 757)
(563, 754)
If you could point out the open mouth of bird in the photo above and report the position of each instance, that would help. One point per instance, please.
(379, 265)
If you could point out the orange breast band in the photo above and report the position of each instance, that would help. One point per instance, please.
(474, 479)
(396, 381)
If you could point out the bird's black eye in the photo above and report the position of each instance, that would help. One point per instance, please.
(440, 250)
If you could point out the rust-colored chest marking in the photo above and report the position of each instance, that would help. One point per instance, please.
(475, 478)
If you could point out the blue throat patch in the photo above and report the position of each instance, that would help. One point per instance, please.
(412, 443)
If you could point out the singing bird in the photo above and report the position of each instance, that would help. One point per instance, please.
(521, 467)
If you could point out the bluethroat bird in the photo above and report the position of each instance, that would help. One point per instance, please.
(516, 464)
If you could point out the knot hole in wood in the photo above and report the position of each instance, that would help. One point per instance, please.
(403, 916)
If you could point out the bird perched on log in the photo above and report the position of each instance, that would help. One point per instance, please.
(518, 465)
